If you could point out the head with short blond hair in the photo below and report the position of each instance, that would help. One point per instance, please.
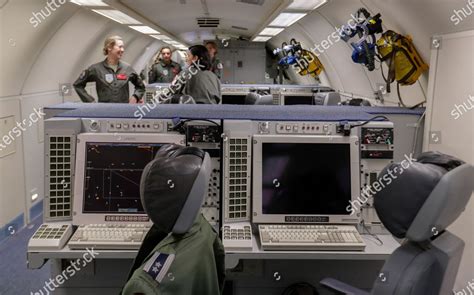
(109, 43)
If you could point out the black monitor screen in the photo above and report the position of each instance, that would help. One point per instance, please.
(306, 178)
(299, 99)
(112, 176)
(233, 99)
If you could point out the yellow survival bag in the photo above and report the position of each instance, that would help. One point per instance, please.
(404, 62)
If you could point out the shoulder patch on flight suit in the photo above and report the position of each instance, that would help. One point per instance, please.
(220, 66)
(158, 265)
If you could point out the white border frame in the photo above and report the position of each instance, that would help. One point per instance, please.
(78, 216)
(258, 140)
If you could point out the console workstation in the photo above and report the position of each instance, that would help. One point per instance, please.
(288, 192)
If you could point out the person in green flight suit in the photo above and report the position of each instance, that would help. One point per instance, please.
(165, 69)
(111, 77)
(188, 256)
(216, 65)
(197, 80)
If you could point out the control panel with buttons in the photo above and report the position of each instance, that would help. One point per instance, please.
(237, 237)
(305, 128)
(146, 126)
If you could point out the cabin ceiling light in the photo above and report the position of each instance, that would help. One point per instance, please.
(117, 16)
(262, 38)
(161, 37)
(286, 19)
(171, 42)
(89, 3)
(271, 31)
(144, 29)
(306, 4)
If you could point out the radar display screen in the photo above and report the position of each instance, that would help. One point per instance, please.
(112, 176)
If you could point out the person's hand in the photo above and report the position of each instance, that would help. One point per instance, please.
(133, 100)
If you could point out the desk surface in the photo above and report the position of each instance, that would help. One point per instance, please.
(373, 251)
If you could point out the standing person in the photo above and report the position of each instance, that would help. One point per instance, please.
(111, 77)
(216, 65)
(164, 70)
(200, 83)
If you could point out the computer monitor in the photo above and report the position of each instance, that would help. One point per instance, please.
(233, 99)
(108, 172)
(298, 99)
(305, 179)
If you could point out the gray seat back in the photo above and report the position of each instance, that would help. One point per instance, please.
(444, 205)
(413, 270)
(422, 265)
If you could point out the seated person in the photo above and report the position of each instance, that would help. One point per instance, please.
(198, 80)
(190, 257)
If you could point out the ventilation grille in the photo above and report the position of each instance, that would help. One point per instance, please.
(208, 22)
(237, 194)
(210, 208)
(59, 175)
(149, 96)
(276, 99)
(253, 2)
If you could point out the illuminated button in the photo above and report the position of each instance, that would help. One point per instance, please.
(119, 126)
(125, 126)
(288, 127)
(295, 128)
(325, 128)
(156, 126)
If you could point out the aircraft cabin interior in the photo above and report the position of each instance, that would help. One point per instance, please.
(237, 147)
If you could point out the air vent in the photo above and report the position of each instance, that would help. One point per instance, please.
(208, 22)
(253, 2)
(59, 178)
(240, 28)
(237, 187)
(276, 99)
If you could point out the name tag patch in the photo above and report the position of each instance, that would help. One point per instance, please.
(122, 77)
(158, 265)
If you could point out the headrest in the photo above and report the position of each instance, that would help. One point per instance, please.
(416, 192)
(265, 100)
(258, 99)
(251, 98)
(173, 186)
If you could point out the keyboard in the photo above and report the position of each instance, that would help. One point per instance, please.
(50, 236)
(310, 237)
(237, 237)
(109, 236)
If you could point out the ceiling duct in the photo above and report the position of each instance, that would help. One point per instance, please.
(207, 22)
(240, 28)
(253, 2)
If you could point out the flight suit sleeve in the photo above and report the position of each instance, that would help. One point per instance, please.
(81, 82)
(219, 69)
(139, 86)
(219, 92)
(152, 75)
(219, 253)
